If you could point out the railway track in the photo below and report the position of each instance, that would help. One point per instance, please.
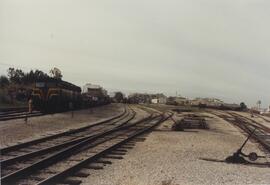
(14, 109)
(266, 120)
(64, 138)
(251, 121)
(53, 164)
(17, 113)
(20, 114)
(261, 134)
(27, 153)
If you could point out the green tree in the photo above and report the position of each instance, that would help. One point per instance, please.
(15, 75)
(243, 106)
(40, 76)
(35, 76)
(119, 97)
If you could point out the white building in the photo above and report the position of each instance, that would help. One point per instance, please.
(94, 90)
(154, 100)
(160, 100)
(88, 87)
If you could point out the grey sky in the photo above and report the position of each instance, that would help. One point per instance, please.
(208, 48)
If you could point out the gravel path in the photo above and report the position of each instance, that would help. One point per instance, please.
(15, 131)
(176, 158)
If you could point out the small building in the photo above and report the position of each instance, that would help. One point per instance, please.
(94, 91)
(147, 98)
(158, 98)
(154, 100)
(179, 100)
(162, 100)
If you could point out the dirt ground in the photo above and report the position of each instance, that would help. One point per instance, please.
(15, 131)
(174, 158)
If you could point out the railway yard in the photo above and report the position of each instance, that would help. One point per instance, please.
(134, 145)
(134, 92)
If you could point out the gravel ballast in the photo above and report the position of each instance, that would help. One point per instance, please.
(174, 158)
(14, 131)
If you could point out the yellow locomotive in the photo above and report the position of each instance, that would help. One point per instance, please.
(56, 96)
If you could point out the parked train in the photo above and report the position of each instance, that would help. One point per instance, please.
(57, 96)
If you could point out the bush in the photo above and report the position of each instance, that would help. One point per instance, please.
(4, 98)
(4, 81)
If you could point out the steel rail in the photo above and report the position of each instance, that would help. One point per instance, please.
(43, 151)
(257, 124)
(21, 116)
(248, 127)
(36, 141)
(58, 156)
(57, 143)
(72, 170)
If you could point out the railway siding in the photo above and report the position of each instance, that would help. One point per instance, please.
(17, 130)
(124, 129)
(261, 134)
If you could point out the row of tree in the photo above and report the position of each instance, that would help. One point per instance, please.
(17, 76)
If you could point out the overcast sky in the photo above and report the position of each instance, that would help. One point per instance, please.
(207, 48)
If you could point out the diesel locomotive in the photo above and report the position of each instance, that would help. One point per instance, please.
(56, 96)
